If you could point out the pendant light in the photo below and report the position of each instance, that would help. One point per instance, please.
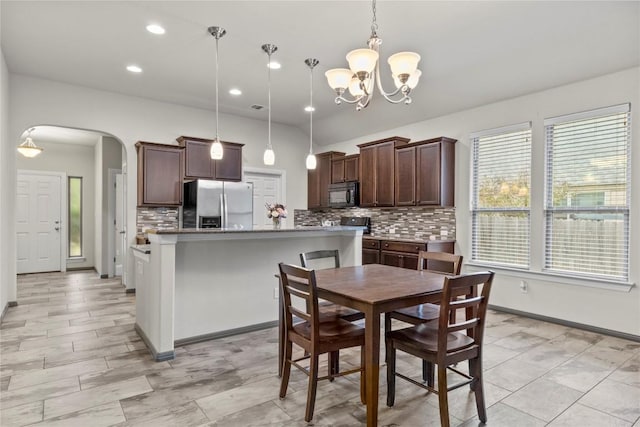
(269, 157)
(311, 158)
(216, 147)
(28, 148)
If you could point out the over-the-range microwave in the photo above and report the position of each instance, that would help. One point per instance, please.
(344, 195)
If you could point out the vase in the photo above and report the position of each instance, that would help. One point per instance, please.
(276, 223)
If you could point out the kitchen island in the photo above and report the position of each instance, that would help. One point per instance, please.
(201, 284)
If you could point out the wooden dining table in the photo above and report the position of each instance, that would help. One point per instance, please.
(375, 289)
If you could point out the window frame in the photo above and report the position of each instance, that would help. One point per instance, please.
(475, 138)
(549, 209)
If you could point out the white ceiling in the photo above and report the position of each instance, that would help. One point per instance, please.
(473, 53)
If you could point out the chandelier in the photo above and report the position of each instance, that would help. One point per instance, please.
(360, 78)
(28, 148)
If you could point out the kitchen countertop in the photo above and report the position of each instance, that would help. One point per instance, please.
(404, 239)
(257, 230)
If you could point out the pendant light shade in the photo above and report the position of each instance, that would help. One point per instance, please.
(269, 157)
(311, 158)
(216, 151)
(28, 148)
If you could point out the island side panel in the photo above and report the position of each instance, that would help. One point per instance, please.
(222, 285)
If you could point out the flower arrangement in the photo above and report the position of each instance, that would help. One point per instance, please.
(276, 210)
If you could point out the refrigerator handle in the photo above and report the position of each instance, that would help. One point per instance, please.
(225, 217)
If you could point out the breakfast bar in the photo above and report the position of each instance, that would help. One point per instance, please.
(201, 284)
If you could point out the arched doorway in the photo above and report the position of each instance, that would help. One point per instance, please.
(88, 216)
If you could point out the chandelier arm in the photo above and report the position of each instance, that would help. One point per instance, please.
(404, 89)
(341, 98)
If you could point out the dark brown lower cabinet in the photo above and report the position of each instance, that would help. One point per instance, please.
(402, 254)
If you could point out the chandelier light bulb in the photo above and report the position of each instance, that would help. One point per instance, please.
(338, 78)
(411, 82)
(404, 63)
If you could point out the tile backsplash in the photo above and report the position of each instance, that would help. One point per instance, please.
(156, 218)
(409, 222)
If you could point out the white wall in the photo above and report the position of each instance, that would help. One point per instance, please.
(7, 194)
(111, 159)
(130, 119)
(547, 296)
(74, 160)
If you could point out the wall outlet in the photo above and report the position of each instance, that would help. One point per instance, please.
(276, 293)
(524, 287)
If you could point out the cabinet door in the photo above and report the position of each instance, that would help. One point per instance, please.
(351, 168)
(337, 171)
(370, 256)
(324, 179)
(198, 162)
(428, 175)
(313, 193)
(160, 175)
(405, 181)
(229, 168)
(368, 176)
(385, 188)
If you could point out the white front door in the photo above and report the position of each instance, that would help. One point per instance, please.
(38, 223)
(120, 231)
(267, 188)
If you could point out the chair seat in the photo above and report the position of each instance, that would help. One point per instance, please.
(425, 337)
(331, 330)
(419, 313)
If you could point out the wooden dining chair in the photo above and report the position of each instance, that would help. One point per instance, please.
(440, 262)
(323, 258)
(447, 343)
(316, 337)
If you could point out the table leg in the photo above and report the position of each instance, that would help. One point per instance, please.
(372, 360)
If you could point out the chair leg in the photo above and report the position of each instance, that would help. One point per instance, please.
(334, 364)
(475, 369)
(363, 378)
(391, 372)
(313, 385)
(443, 399)
(387, 329)
(427, 373)
(286, 368)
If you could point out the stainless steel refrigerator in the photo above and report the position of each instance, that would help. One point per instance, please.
(218, 204)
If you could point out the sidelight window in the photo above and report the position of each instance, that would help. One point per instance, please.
(75, 216)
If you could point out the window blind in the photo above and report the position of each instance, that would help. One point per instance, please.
(588, 193)
(501, 182)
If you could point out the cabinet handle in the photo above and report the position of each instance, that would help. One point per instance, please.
(417, 248)
(386, 245)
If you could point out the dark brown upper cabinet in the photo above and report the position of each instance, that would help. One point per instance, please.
(198, 163)
(425, 173)
(318, 179)
(160, 171)
(377, 171)
(345, 169)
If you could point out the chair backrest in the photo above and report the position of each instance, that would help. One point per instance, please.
(299, 283)
(440, 262)
(305, 257)
(462, 292)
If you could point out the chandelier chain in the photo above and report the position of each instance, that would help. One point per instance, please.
(374, 23)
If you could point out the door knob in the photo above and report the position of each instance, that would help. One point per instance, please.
(57, 228)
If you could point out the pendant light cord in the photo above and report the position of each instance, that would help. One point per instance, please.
(269, 97)
(217, 136)
(311, 113)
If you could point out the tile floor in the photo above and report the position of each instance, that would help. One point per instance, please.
(70, 357)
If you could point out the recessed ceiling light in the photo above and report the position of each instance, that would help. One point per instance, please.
(155, 29)
(134, 68)
(309, 109)
(274, 65)
(235, 91)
